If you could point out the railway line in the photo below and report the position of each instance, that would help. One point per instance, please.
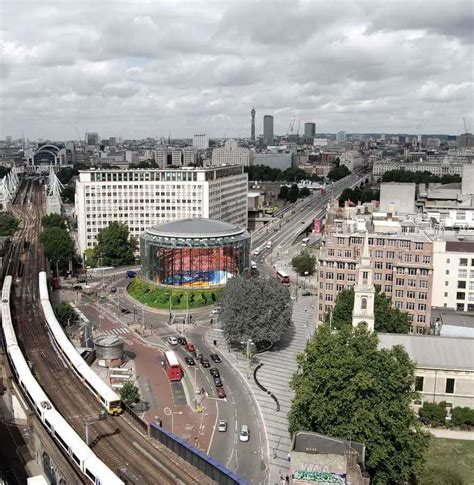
(134, 457)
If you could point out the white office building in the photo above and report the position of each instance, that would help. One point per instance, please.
(230, 154)
(201, 141)
(142, 198)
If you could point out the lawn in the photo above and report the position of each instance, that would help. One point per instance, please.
(159, 297)
(449, 462)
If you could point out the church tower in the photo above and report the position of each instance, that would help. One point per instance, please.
(364, 291)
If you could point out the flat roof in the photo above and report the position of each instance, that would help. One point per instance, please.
(195, 228)
(433, 351)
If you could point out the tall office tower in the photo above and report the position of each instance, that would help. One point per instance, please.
(252, 126)
(309, 133)
(340, 137)
(201, 141)
(268, 130)
(112, 141)
(92, 138)
(142, 198)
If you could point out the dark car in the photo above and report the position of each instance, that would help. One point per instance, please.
(306, 293)
(113, 289)
(190, 347)
(199, 356)
(220, 392)
(182, 341)
(214, 371)
(216, 358)
(217, 381)
(77, 287)
(189, 361)
(205, 363)
(125, 311)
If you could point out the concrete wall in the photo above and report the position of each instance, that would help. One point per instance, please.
(467, 186)
(400, 195)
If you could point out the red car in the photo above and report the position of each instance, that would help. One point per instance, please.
(220, 392)
(190, 347)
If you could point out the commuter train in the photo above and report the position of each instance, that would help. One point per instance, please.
(68, 440)
(104, 394)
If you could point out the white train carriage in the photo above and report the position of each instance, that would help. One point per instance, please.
(7, 284)
(7, 325)
(107, 396)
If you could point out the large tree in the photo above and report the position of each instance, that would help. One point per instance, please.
(8, 224)
(54, 220)
(114, 245)
(338, 173)
(58, 247)
(65, 314)
(345, 387)
(293, 193)
(255, 308)
(304, 262)
(130, 394)
(386, 318)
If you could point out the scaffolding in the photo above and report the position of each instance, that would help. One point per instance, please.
(8, 187)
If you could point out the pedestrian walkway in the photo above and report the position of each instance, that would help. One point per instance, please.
(115, 331)
(279, 365)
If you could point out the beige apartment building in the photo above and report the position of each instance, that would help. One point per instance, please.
(401, 262)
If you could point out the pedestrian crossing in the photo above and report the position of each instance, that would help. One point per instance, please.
(115, 331)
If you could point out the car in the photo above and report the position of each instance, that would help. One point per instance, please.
(125, 311)
(218, 382)
(216, 358)
(113, 289)
(190, 347)
(182, 340)
(303, 222)
(306, 293)
(77, 287)
(172, 340)
(215, 311)
(244, 434)
(205, 362)
(190, 361)
(214, 371)
(222, 426)
(220, 392)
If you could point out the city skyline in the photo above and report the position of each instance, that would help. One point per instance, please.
(153, 69)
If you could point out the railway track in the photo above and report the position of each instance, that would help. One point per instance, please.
(133, 456)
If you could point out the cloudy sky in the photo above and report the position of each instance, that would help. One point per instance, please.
(136, 68)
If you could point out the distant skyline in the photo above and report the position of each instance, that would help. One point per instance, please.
(147, 69)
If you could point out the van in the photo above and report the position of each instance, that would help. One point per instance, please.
(269, 244)
(244, 433)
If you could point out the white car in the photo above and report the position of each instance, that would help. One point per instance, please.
(222, 426)
(172, 340)
(244, 433)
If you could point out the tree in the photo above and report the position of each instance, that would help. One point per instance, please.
(8, 224)
(293, 193)
(65, 174)
(114, 245)
(130, 394)
(304, 262)
(304, 192)
(347, 388)
(424, 177)
(283, 192)
(58, 246)
(255, 308)
(65, 314)
(54, 220)
(338, 173)
(68, 194)
(4, 171)
(386, 318)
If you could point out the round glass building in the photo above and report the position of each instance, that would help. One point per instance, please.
(194, 253)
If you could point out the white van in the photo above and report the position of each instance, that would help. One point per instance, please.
(269, 244)
(244, 433)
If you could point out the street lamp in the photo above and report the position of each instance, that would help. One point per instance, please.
(248, 343)
(306, 273)
(169, 412)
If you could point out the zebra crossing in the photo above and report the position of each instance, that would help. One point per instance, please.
(115, 331)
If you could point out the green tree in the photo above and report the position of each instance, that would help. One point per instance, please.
(8, 224)
(255, 308)
(283, 192)
(58, 247)
(293, 193)
(65, 174)
(338, 173)
(462, 417)
(304, 262)
(304, 192)
(419, 177)
(4, 171)
(130, 394)
(386, 318)
(347, 388)
(65, 314)
(114, 245)
(68, 194)
(54, 220)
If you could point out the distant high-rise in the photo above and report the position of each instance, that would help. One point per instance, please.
(340, 137)
(252, 126)
(92, 138)
(201, 141)
(112, 141)
(309, 133)
(268, 130)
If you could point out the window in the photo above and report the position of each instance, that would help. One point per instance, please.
(450, 386)
(340, 276)
(379, 254)
(422, 295)
(460, 295)
(411, 295)
(399, 305)
(410, 305)
(419, 246)
(447, 271)
(462, 284)
(399, 293)
(426, 259)
(400, 282)
(378, 265)
(421, 319)
(390, 254)
(423, 284)
(387, 288)
(364, 304)
(462, 273)
(463, 262)
(412, 271)
(419, 383)
(422, 307)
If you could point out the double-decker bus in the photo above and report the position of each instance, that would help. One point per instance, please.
(283, 278)
(172, 366)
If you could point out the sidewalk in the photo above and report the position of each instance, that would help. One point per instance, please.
(451, 434)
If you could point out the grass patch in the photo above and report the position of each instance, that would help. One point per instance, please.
(159, 297)
(449, 462)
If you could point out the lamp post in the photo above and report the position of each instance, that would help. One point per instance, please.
(248, 343)
(306, 273)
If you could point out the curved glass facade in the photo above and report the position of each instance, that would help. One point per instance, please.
(190, 262)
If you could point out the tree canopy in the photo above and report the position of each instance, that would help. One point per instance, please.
(65, 314)
(68, 194)
(386, 318)
(269, 174)
(304, 262)
(8, 224)
(338, 173)
(419, 177)
(114, 245)
(358, 195)
(58, 246)
(293, 193)
(255, 308)
(345, 387)
(130, 394)
(284, 189)
(54, 220)
(65, 174)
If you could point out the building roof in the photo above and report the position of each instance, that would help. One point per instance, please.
(433, 351)
(195, 228)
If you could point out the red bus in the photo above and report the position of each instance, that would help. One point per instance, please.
(172, 366)
(283, 278)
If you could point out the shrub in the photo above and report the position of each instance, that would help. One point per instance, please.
(462, 417)
(433, 414)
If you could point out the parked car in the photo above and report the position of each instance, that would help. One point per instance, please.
(216, 358)
(131, 274)
(172, 340)
(125, 311)
(190, 361)
(222, 426)
(220, 392)
(199, 356)
(214, 371)
(205, 363)
(244, 433)
(182, 340)
(77, 287)
(215, 311)
(218, 382)
(113, 289)
(190, 347)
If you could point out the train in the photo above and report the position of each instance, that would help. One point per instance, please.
(107, 397)
(67, 439)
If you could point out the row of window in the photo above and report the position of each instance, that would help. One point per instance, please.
(400, 243)
(448, 388)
